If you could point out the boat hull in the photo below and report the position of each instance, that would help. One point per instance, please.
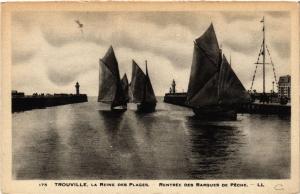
(119, 108)
(215, 113)
(146, 107)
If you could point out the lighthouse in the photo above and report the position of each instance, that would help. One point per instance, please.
(173, 87)
(77, 88)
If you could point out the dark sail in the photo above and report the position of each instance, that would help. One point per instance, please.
(138, 80)
(111, 62)
(149, 95)
(208, 94)
(110, 88)
(141, 86)
(125, 87)
(204, 70)
(231, 90)
(107, 84)
(120, 98)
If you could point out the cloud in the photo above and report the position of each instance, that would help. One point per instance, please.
(282, 48)
(66, 63)
(21, 56)
(278, 14)
(25, 41)
(159, 40)
(238, 16)
(52, 46)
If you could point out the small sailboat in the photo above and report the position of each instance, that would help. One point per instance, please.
(141, 89)
(214, 90)
(110, 86)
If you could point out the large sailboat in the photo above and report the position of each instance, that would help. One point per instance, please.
(141, 89)
(214, 90)
(110, 86)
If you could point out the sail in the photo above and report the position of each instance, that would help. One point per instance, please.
(125, 86)
(208, 94)
(231, 90)
(120, 98)
(110, 88)
(107, 84)
(111, 62)
(204, 70)
(149, 95)
(137, 84)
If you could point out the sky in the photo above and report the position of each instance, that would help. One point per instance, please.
(50, 53)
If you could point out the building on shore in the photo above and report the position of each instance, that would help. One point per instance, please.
(284, 86)
(15, 93)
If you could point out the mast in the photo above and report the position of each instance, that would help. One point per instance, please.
(145, 83)
(264, 51)
(146, 68)
(149, 95)
(264, 57)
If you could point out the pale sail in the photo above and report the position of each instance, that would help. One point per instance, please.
(231, 90)
(204, 70)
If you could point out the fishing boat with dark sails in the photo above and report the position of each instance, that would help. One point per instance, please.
(111, 89)
(141, 89)
(214, 90)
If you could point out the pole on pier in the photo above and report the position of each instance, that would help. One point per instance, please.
(264, 56)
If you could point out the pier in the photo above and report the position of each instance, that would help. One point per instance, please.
(21, 102)
(176, 98)
(251, 108)
(260, 108)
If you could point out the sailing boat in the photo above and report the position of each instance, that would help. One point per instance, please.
(110, 86)
(141, 88)
(214, 90)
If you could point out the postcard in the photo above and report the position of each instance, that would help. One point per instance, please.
(150, 97)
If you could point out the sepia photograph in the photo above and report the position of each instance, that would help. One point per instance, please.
(151, 94)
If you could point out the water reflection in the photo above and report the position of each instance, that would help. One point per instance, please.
(145, 124)
(146, 121)
(121, 132)
(47, 149)
(87, 160)
(211, 146)
(79, 142)
(112, 121)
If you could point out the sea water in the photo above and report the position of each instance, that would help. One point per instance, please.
(85, 141)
